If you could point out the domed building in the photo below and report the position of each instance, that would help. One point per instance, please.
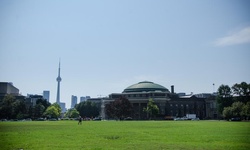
(169, 103)
(145, 86)
(139, 95)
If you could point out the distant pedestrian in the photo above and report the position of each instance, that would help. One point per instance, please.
(80, 120)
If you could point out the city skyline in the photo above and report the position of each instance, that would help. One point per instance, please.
(107, 46)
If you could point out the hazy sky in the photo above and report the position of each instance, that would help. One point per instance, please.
(106, 46)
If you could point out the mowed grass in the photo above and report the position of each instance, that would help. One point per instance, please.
(125, 135)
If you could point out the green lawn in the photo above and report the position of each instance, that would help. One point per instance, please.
(125, 135)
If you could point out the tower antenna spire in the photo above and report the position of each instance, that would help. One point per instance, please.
(58, 79)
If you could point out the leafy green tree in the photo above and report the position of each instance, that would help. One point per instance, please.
(87, 109)
(236, 110)
(19, 110)
(246, 111)
(38, 110)
(6, 107)
(152, 109)
(58, 107)
(30, 112)
(227, 113)
(109, 109)
(14, 108)
(44, 102)
(52, 112)
(242, 89)
(224, 97)
(242, 92)
(119, 108)
(72, 113)
(224, 91)
(20, 116)
(236, 98)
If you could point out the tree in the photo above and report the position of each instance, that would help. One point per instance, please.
(152, 109)
(58, 107)
(6, 107)
(15, 108)
(246, 111)
(224, 97)
(227, 113)
(224, 91)
(12, 108)
(38, 110)
(234, 101)
(119, 108)
(44, 102)
(87, 109)
(19, 110)
(242, 91)
(236, 110)
(52, 112)
(109, 109)
(72, 113)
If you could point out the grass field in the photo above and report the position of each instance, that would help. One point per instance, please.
(125, 135)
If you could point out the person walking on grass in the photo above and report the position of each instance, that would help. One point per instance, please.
(80, 120)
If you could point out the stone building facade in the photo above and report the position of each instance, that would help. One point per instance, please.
(170, 104)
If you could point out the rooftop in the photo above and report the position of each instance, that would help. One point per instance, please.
(145, 86)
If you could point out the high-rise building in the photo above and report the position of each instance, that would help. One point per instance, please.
(58, 79)
(63, 107)
(73, 101)
(82, 99)
(46, 95)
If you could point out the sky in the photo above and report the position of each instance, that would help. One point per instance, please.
(106, 46)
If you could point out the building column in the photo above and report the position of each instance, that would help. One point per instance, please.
(139, 110)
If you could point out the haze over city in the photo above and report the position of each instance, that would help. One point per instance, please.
(106, 46)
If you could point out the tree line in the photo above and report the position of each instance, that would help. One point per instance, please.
(121, 108)
(87, 109)
(118, 109)
(234, 101)
(12, 107)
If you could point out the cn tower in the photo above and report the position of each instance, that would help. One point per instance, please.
(58, 79)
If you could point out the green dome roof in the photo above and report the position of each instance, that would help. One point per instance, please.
(145, 86)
